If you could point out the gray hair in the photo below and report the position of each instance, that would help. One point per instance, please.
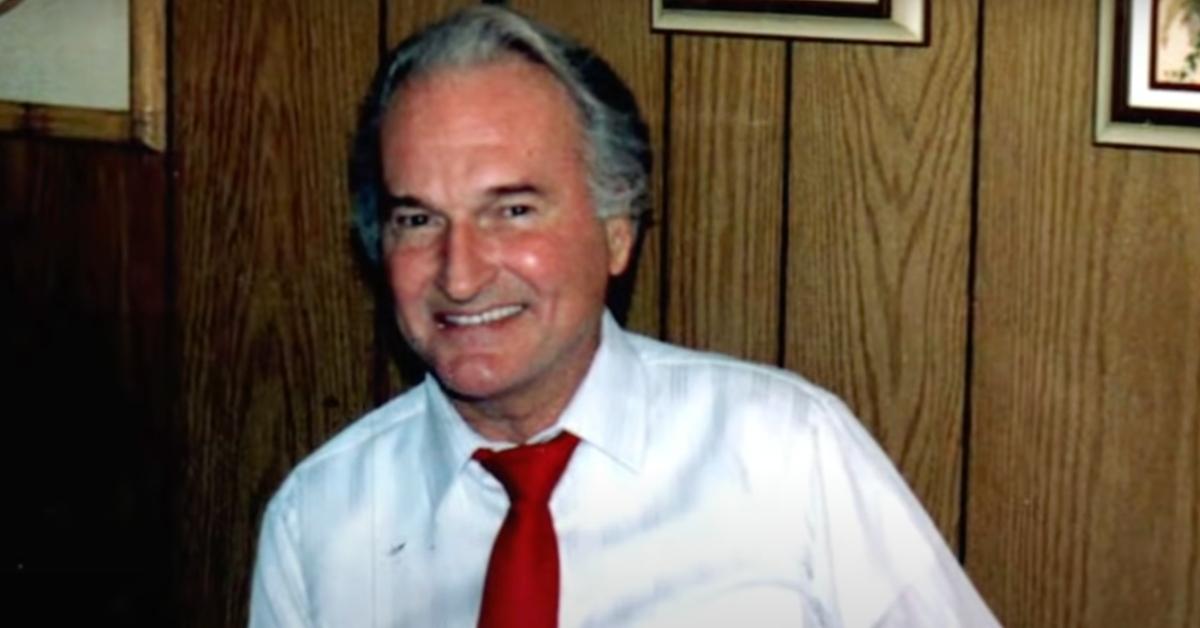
(617, 148)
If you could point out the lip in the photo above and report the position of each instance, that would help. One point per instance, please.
(481, 318)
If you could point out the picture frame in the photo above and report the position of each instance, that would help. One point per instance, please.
(900, 22)
(139, 119)
(1147, 81)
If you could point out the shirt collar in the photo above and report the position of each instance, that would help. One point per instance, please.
(607, 412)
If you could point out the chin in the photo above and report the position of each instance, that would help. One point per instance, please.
(471, 382)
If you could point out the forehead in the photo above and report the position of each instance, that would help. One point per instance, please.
(480, 101)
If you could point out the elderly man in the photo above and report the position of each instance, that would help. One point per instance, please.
(554, 469)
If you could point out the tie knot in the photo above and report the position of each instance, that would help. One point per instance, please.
(529, 473)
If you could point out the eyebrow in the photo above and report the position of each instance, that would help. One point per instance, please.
(409, 201)
(514, 190)
(391, 202)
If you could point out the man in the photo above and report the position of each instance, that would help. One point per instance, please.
(553, 469)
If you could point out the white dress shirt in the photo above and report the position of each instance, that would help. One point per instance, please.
(706, 491)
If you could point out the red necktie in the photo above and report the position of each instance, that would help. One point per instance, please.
(521, 588)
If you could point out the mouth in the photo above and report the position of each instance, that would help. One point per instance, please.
(485, 317)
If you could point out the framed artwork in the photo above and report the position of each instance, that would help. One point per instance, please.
(878, 21)
(1148, 73)
(91, 70)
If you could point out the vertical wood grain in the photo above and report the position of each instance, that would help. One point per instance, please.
(404, 17)
(725, 206)
(621, 35)
(1085, 472)
(878, 236)
(83, 348)
(275, 328)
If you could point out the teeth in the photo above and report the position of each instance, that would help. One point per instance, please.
(483, 318)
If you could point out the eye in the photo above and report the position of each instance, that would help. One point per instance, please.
(516, 210)
(410, 219)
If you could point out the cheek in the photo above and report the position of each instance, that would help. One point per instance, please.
(408, 274)
(556, 264)
(533, 258)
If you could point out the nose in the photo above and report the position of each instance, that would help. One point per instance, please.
(467, 268)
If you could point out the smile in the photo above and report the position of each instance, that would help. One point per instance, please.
(482, 318)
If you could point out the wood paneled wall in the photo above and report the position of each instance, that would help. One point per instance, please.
(86, 383)
(878, 241)
(928, 231)
(725, 207)
(274, 324)
(1085, 453)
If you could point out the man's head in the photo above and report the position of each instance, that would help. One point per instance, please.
(616, 137)
(504, 197)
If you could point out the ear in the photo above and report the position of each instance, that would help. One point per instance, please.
(619, 231)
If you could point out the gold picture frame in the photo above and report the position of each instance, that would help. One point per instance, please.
(904, 22)
(1144, 96)
(143, 122)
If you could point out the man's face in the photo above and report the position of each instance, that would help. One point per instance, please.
(496, 260)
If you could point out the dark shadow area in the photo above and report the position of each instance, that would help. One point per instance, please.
(88, 456)
(86, 467)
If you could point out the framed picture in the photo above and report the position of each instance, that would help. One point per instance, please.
(879, 21)
(92, 70)
(1148, 73)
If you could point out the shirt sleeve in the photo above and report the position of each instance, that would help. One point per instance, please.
(888, 565)
(277, 595)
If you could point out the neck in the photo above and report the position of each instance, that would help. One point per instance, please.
(497, 421)
(518, 415)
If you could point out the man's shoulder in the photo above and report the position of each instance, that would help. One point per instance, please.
(390, 428)
(695, 372)
(772, 424)
(748, 406)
